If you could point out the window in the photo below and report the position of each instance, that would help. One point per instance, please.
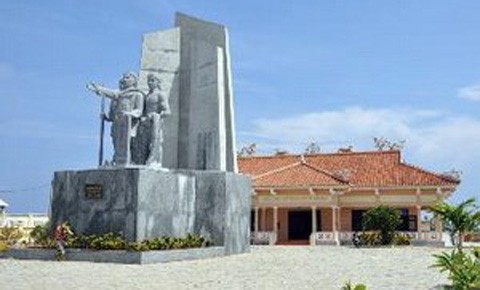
(408, 222)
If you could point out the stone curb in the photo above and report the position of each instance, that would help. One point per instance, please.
(117, 256)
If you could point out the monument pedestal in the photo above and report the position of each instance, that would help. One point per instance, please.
(143, 203)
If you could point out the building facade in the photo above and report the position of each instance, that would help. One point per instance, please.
(321, 198)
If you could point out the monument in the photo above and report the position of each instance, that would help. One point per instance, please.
(173, 170)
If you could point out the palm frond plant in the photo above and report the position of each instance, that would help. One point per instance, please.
(459, 219)
(463, 268)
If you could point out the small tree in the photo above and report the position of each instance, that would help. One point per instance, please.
(384, 144)
(383, 219)
(279, 152)
(248, 150)
(459, 219)
(312, 148)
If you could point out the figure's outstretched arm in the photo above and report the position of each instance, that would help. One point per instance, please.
(102, 91)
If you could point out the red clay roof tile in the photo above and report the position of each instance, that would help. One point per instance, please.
(372, 168)
(299, 174)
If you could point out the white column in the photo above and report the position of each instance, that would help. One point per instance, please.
(334, 224)
(334, 220)
(419, 220)
(438, 227)
(339, 220)
(339, 211)
(275, 219)
(313, 236)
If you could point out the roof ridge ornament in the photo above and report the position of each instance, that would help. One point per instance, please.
(343, 173)
(302, 159)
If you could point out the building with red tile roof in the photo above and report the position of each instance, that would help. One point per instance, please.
(321, 197)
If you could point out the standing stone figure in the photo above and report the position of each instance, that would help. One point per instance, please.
(156, 108)
(126, 108)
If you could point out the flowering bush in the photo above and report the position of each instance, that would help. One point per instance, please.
(10, 236)
(41, 237)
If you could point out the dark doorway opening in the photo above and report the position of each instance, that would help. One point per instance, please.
(357, 219)
(299, 224)
(252, 220)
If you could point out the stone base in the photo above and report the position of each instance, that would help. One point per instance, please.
(416, 243)
(144, 203)
(436, 244)
(121, 257)
(327, 243)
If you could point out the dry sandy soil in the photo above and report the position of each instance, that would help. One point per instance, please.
(279, 267)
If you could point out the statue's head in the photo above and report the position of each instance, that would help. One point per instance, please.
(153, 82)
(128, 80)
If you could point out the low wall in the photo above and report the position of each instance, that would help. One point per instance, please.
(121, 257)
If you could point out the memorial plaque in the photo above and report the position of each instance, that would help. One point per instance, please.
(93, 191)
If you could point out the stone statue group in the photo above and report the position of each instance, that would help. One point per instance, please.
(137, 120)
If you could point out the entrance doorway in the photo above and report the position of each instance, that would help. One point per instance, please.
(357, 219)
(299, 224)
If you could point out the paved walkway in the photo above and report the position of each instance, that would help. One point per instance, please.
(279, 267)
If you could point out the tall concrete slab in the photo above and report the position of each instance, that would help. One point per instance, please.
(193, 63)
(206, 121)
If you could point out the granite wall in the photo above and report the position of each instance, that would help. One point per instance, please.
(144, 203)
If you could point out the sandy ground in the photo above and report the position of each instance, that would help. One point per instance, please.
(280, 267)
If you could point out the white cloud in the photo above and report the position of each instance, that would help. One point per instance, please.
(352, 124)
(455, 140)
(435, 139)
(470, 93)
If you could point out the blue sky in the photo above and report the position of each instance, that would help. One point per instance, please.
(334, 72)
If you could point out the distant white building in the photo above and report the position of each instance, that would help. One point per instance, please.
(23, 220)
(20, 220)
(3, 206)
(3, 210)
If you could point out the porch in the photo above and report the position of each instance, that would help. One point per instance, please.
(329, 225)
(341, 238)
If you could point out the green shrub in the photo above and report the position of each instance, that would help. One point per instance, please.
(401, 240)
(463, 268)
(113, 241)
(41, 236)
(384, 220)
(370, 238)
(350, 286)
(137, 247)
(167, 243)
(109, 241)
